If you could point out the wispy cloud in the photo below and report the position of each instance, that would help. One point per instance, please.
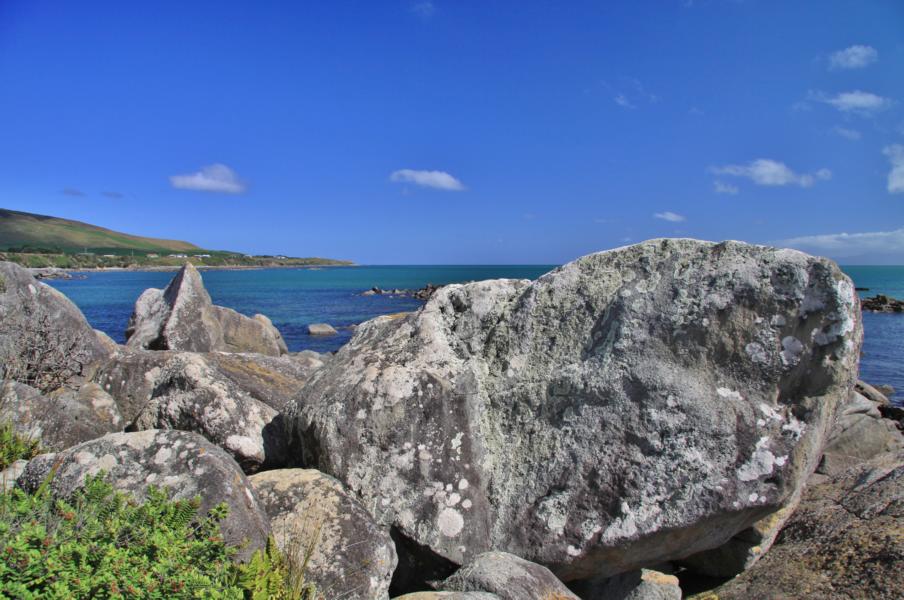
(848, 134)
(623, 101)
(725, 188)
(764, 171)
(670, 216)
(895, 154)
(113, 195)
(853, 57)
(855, 102)
(212, 178)
(844, 245)
(72, 192)
(433, 179)
(423, 9)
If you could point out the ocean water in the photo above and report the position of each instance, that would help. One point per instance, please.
(294, 298)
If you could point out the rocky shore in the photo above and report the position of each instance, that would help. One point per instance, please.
(883, 303)
(626, 426)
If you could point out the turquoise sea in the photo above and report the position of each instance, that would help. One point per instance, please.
(294, 298)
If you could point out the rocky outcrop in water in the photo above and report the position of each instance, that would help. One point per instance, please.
(182, 317)
(633, 406)
(882, 303)
(313, 517)
(184, 462)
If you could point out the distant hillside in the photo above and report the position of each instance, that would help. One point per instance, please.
(22, 231)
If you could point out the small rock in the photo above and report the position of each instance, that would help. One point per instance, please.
(183, 462)
(321, 329)
(507, 576)
(859, 434)
(642, 584)
(352, 556)
(10, 474)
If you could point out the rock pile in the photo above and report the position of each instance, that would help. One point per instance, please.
(634, 415)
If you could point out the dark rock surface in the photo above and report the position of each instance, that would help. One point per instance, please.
(845, 541)
(184, 462)
(353, 557)
(642, 584)
(634, 406)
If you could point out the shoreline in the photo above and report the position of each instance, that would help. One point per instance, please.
(47, 272)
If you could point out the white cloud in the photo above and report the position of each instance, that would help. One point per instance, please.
(895, 154)
(857, 102)
(212, 178)
(855, 57)
(432, 179)
(424, 9)
(850, 134)
(623, 101)
(764, 171)
(844, 245)
(670, 216)
(725, 188)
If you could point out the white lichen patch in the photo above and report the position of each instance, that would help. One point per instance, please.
(729, 393)
(450, 522)
(760, 464)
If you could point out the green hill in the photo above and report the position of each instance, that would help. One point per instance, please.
(22, 231)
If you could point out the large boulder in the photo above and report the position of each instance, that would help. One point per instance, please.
(631, 407)
(191, 395)
(183, 317)
(507, 576)
(44, 338)
(61, 419)
(312, 515)
(846, 540)
(185, 463)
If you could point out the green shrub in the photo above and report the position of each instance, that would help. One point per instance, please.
(104, 544)
(14, 446)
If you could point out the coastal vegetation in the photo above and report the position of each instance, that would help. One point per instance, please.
(40, 241)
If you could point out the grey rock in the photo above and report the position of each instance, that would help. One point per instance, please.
(32, 312)
(321, 329)
(183, 462)
(448, 596)
(871, 393)
(352, 556)
(631, 407)
(860, 433)
(10, 474)
(132, 375)
(642, 584)
(843, 541)
(183, 317)
(191, 395)
(242, 334)
(507, 576)
(62, 418)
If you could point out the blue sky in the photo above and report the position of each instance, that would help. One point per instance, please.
(460, 131)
